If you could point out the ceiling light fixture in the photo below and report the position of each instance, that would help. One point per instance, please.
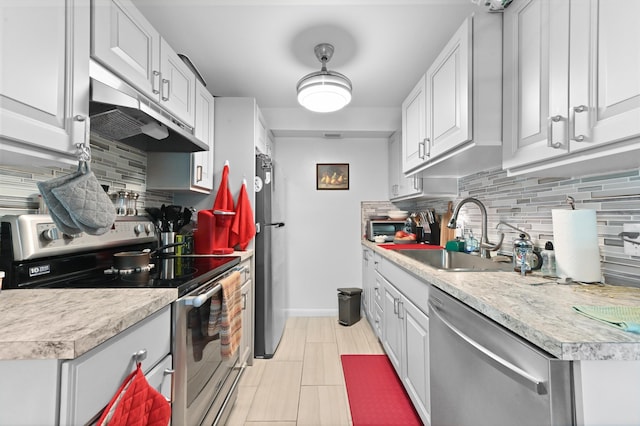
(324, 91)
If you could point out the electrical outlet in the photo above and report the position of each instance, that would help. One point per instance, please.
(629, 247)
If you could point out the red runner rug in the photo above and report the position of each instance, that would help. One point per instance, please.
(376, 394)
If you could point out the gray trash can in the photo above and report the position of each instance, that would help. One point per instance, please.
(349, 305)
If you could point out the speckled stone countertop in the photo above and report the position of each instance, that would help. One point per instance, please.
(65, 323)
(537, 309)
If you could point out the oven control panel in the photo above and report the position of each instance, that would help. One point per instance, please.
(35, 236)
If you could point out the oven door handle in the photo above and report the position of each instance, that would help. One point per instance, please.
(197, 301)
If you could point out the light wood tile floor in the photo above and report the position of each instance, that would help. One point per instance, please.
(303, 383)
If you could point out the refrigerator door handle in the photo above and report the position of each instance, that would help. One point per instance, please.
(276, 224)
(257, 227)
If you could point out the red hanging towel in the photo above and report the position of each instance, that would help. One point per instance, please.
(136, 403)
(244, 227)
(224, 198)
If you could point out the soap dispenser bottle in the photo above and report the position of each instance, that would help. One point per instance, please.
(548, 260)
(522, 255)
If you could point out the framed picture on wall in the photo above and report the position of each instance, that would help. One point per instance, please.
(332, 176)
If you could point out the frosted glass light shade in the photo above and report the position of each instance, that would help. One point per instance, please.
(324, 91)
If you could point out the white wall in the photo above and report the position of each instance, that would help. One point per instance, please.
(323, 227)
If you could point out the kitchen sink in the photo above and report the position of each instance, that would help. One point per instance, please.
(454, 261)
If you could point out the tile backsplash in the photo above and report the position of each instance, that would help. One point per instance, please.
(115, 164)
(526, 202)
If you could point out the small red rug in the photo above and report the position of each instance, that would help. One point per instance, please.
(376, 394)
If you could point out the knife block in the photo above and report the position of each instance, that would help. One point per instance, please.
(435, 233)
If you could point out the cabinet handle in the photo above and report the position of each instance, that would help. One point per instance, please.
(550, 142)
(395, 306)
(427, 141)
(170, 372)
(155, 82)
(577, 110)
(139, 356)
(80, 128)
(165, 93)
(421, 149)
(198, 173)
(400, 309)
(417, 183)
(244, 301)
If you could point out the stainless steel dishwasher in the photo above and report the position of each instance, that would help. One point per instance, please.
(482, 374)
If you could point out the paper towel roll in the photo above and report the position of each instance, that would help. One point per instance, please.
(575, 240)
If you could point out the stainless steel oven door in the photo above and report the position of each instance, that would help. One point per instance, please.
(200, 370)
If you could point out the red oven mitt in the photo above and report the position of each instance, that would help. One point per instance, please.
(136, 403)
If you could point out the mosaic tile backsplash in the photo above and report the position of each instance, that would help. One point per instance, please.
(526, 202)
(115, 164)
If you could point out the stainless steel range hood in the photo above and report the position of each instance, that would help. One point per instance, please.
(120, 112)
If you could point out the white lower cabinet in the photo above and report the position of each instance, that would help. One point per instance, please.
(405, 332)
(368, 279)
(246, 342)
(88, 382)
(74, 392)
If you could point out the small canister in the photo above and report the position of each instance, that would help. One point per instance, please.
(522, 255)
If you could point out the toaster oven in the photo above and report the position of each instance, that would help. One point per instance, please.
(387, 228)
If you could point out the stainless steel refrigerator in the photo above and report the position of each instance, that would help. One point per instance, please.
(270, 286)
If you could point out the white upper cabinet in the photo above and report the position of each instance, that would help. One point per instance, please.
(124, 41)
(604, 72)
(572, 92)
(535, 84)
(202, 161)
(413, 127)
(452, 118)
(264, 144)
(44, 81)
(187, 172)
(402, 187)
(448, 84)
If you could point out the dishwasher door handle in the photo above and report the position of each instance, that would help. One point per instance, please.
(501, 364)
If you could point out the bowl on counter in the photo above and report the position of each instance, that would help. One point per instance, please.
(398, 214)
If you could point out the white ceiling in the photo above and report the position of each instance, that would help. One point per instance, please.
(261, 48)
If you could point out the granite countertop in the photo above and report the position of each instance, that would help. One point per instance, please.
(65, 323)
(537, 309)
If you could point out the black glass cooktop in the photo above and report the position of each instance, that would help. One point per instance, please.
(181, 272)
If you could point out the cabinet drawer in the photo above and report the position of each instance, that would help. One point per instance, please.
(88, 382)
(416, 290)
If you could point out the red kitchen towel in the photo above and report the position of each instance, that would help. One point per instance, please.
(244, 227)
(136, 403)
(224, 198)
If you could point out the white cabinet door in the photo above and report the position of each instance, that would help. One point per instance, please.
(247, 322)
(123, 40)
(416, 357)
(262, 137)
(367, 259)
(604, 100)
(448, 86)
(202, 161)
(391, 324)
(44, 80)
(177, 84)
(535, 85)
(413, 127)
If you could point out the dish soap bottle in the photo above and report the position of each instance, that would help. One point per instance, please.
(522, 255)
(548, 260)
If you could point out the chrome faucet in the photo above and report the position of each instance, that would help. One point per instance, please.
(485, 245)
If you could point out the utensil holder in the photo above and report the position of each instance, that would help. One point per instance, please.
(167, 238)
